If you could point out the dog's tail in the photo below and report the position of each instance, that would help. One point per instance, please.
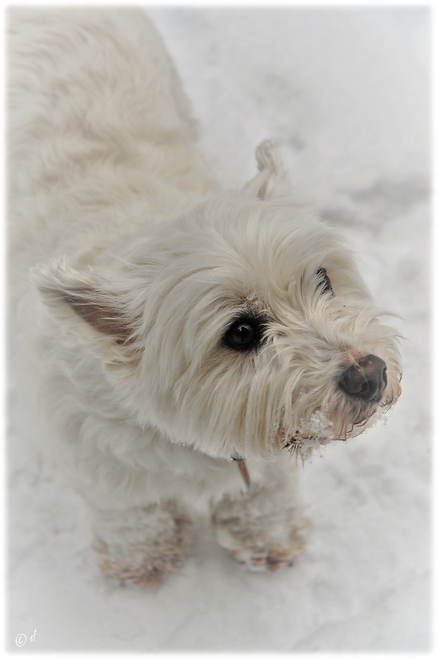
(268, 157)
(272, 179)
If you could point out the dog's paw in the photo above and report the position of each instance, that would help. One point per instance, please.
(258, 531)
(135, 565)
(262, 553)
(144, 557)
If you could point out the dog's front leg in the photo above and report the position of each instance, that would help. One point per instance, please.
(262, 528)
(141, 545)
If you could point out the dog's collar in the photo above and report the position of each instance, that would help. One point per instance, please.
(244, 471)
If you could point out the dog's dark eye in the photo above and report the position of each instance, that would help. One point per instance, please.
(324, 284)
(244, 334)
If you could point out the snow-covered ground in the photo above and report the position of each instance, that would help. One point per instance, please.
(346, 91)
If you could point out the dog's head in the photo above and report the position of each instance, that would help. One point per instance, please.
(240, 328)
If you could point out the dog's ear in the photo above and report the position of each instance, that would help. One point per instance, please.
(272, 180)
(87, 302)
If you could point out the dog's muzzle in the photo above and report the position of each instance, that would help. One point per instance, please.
(365, 380)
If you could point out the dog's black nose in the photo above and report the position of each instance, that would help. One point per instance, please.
(365, 380)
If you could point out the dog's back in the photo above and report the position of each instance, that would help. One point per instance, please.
(94, 117)
(97, 118)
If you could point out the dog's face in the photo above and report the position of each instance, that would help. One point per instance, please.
(241, 329)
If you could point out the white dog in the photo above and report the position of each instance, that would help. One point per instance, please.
(177, 341)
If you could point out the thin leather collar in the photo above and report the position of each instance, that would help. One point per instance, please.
(244, 471)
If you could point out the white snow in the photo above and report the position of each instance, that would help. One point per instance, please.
(346, 90)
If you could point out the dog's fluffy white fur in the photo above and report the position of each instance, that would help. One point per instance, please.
(128, 269)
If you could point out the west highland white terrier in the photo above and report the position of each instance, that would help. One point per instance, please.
(179, 343)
